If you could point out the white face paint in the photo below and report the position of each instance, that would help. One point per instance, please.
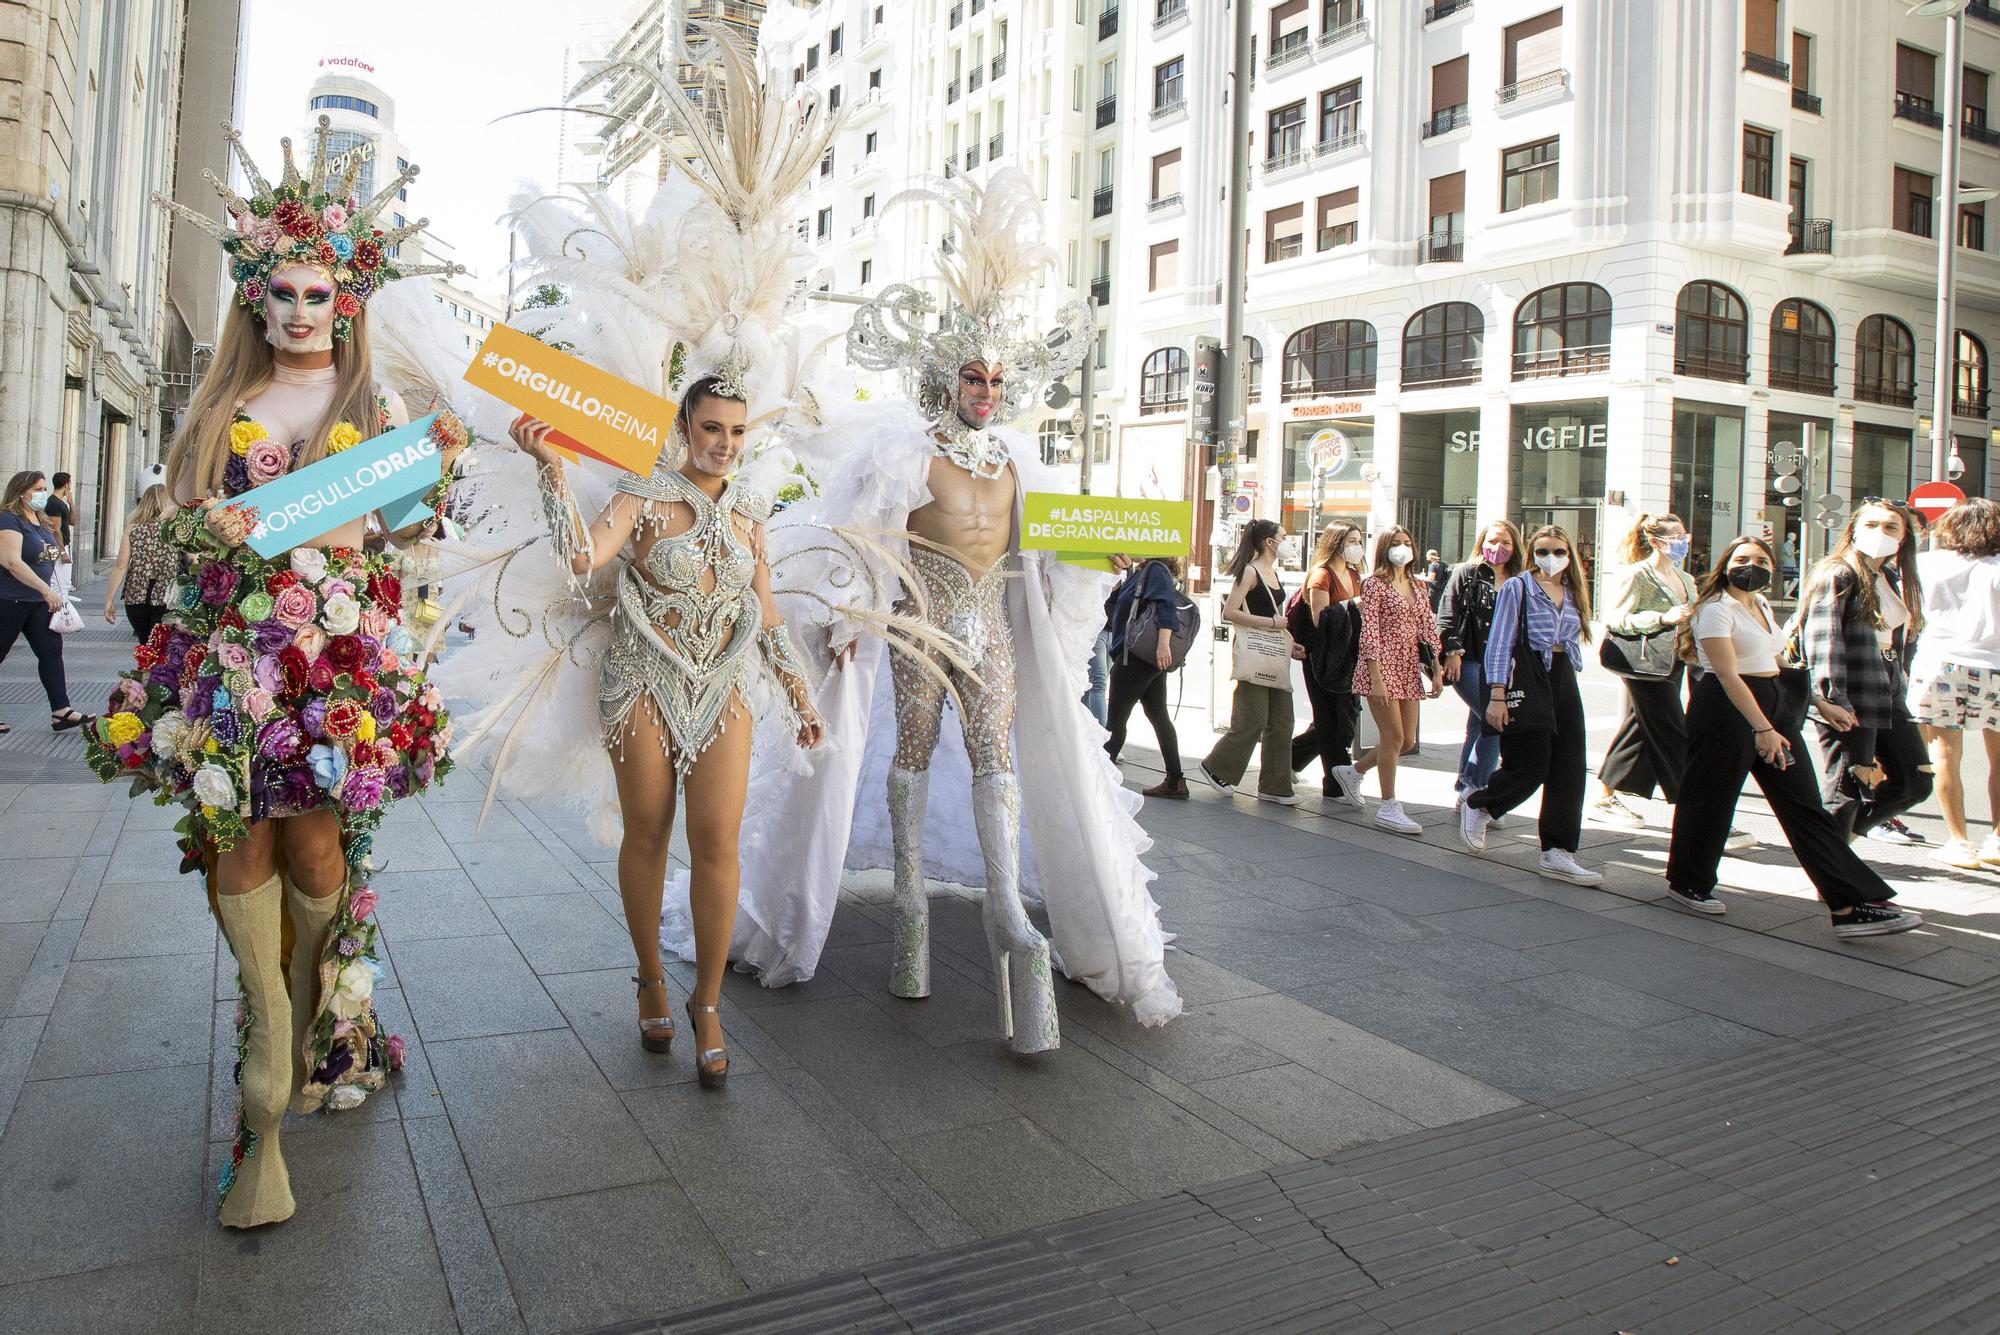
(298, 309)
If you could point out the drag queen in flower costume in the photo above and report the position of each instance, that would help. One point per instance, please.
(280, 701)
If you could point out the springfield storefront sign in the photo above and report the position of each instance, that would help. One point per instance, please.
(1084, 529)
(1549, 436)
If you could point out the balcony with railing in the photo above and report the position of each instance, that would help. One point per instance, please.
(1811, 236)
(1984, 12)
(864, 230)
(868, 106)
(868, 164)
(1169, 14)
(1165, 203)
(1978, 131)
(1294, 45)
(1801, 374)
(1100, 201)
(1170, 108)
(950, 165)
(1444, 9)
(1341, 141)
(1281, 248)
(1293, 154)
(1107, 110)
(1713, 364)
(957, 15)
(1547, 84)
(1969, 402)
(1107, 24)
(995, 146)
(1445, 121)
(1356, 31)
(1889, 393)
(1100, 291)
(877, 39)
(1441, 248)
(1916, 107)
(972, 155)
(953, 91)
(1548, 363)
(1756, 62)
(1804, 101)
(975, 79)
(998, 66)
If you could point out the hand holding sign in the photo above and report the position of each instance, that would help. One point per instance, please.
(588, 411)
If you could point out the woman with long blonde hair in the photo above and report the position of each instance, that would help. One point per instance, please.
(146, 567)
(1464, 615)
(1333, 580)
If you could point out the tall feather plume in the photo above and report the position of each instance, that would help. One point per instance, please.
(998, 224)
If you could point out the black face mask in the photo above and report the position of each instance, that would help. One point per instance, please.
(1749, 578)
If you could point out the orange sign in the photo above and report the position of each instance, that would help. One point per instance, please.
(1346, 408)
(594, 413)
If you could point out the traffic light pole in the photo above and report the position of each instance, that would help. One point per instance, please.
(1232, 403)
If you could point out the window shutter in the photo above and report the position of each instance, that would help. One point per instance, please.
(1915, 71)
(1534, 47)
(1447, 195)
(1343, 206)
(1448, 85)
(1760, 27)
(1285, 223)
(1164, 266)
(1167, 174)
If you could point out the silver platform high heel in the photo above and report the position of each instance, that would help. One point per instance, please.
(1022, 971)
(710, 1075)
(656, 1032)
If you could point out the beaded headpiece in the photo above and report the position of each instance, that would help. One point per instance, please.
(987, 274)
(312, 220)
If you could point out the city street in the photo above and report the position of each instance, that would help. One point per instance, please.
(1413, 1090)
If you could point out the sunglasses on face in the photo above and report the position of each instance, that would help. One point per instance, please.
(1551, 551)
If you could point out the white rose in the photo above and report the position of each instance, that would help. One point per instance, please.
(309, 564)
(352, 989)
(167, 731)
(341, 615)
(213, 786)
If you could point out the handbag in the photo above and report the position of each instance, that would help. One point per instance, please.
(1531, 705)
(1262, 657)
(68, 621)
(1142, 632)
(1648, 657)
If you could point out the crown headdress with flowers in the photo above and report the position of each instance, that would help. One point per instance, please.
(313, 220)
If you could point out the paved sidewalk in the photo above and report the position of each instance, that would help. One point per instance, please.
(534, 1169)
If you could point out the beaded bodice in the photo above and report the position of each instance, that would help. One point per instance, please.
(698, 581)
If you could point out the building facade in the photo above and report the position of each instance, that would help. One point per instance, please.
(105, 309)
(1565, 264)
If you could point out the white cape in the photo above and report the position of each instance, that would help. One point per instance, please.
(805, 822)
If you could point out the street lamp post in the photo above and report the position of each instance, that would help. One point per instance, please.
(1232, 404)
(1944, 370)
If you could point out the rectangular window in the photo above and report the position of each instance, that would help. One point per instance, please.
(1284, 233)
(868, 206)
(1798, 194)
(1802, 61)
(1972, 226)
(1449, 82)
(1107, 80)
(1288, 135)
(1168, 82)
(833, 41)
(1914, 192)
(1447, 205)
(872, 142)
(1916, 78)
(867, 272)
(1528, 174)
(826, 164)
(825, 228)
(1289, 26)
(1975, 98)
(1760, 156)
(1339, 218)
(1163, 266)
(1167, 175)
(1340, 116)
(812, 59)
(1760, 28)
(1532, 47)
(833, 99)
(874, 80)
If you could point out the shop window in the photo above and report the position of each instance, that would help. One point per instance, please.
(1163, 382)
(1885, 362)
(1968, 396)
(1332, 357)
(1711, 333)
(1563, 330)
(1801, 347)
(1706, 484)
(1442, 345)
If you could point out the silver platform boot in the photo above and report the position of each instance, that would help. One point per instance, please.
(1020, 953)
(910, 971)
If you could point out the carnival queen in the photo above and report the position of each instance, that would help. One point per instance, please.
(280, 701)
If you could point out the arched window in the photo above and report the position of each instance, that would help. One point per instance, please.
(1801, 347)
(1256, 348)
(1163, 382)
(1563, 330)
(1885, 362)
(1442, 344)
(1968, 395)
(1332, 357)
(1711, 333)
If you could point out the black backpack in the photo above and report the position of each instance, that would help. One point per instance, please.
(1144, 629)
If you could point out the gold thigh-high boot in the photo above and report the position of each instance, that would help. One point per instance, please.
(310, 919)
(261, 1191)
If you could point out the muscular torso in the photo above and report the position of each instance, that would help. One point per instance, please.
(974, 516)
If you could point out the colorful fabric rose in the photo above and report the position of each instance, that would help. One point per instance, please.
(253, 294)
(340, 615)
(364, 728)
(216, 582)
(295, 218)
(328, 765)
(128, 694)
(266, 461)
(243, 433)
(386, 589)
(374, 623)
(294, 606)
(345, 653)
(320, 676)
(267, 235)
(363, 788)
(342, 718)
(121, 729)
(361, 904)
(294, 668)
(352, 988)
(309, 564)
(312, 718)
(382, 705)
(233, 656)
(236, 475)
(269, 637)
(347, 306)
(258, 703)
(268, 675)
(333, 218)
(344, 435)
(225, 727)
(310, 641)
(281, 740)
(367, 257)
(213, 787)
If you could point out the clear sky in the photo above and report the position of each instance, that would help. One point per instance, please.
(453, 67)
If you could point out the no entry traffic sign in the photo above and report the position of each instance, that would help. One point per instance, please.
(1932, 499)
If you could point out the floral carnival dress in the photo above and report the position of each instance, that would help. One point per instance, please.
(273, 688)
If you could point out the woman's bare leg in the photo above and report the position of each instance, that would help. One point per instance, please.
(645, 778)
(252, 862)
(1389, 742)
(1992, 777)
(715, 794)
(1947, 751)
(314, 860)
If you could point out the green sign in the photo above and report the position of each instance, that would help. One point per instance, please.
(1085, 529)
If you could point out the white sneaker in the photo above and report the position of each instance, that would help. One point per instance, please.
(1472, 823)
(1608, 810)
(1561, 864)
(1738, 840)
(1958, 853)
(1989, 851)
(1348, 780)
(1281, 799)
(1390, 817)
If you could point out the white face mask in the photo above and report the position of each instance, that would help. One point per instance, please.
(1875, 544)
(38, 500)
(1352, 553)
(1553, 565)
(1399, 555)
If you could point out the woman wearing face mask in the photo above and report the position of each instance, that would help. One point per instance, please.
(1650, 595)
(1544, 612)
(28, 598)
(1863, 608)
(1333, 580)
(1742, 721)
(1397, 668)
(1464, 616)
(1955, 676)
(1139, 671)
(1258, 714)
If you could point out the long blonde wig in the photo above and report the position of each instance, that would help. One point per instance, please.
(240, 372)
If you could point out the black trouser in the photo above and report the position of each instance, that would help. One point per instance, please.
(1722, 752)
(1550, 761)
(144, 616)
(1142, 684)
(1650, 749)
(1335, 714)
(1898, 749)
(18, 618)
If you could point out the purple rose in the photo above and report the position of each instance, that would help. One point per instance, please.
(216, 582)
(383, 705)
(399, 782)
(269, 637)
(164, 675)
(226, 727)
(199, 702)
(236, 474)
(363, 787)
(313, 718)
(336, 1065)
(266, 672)
(425, 770)
(295, 789)
(280, 739)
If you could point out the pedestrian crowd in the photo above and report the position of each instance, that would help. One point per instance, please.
(1892, 655)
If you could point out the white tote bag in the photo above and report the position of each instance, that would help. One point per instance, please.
(1261, 657)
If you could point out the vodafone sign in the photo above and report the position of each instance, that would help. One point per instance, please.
(1933, 498)
(347, 62)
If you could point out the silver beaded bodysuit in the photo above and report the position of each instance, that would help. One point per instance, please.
(972, 609)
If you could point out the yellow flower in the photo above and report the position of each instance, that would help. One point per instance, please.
(244, 434)
(210, 746)
(342, 437)
(364, 731)
(122, 728)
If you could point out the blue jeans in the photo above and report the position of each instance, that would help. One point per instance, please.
(1480, 756)
(1096, 698)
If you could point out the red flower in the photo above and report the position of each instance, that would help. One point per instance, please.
(293, 666)
(385, 589)
(401, 737)
(295, 218)
(342, 718)
(365, 681)
(191, 665)
(158, 640)
(368, 256)
(329, 258)
(233, 619)
(320, 675)
(134, 761)
(364, 753)
(146, 657)
(278, 583)
(345, 652)
(347, 304)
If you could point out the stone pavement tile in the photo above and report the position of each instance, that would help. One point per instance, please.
(20, 945)
(68, 798)
(602, 1011)
(157, 917)
(35, 887)
(582, 1261)
(431, 905)
(1955, 965)
(108, 1168)
(462, 824)
(147, 1298)
(472, 986)
(867, 1061)
(780, 1196)
(480, 1296)
(1396, 883)
(1524, 923)
(837, 1305)
(505, 868)
(44, 834)
(1194, 1047)
(1007, 1175)
(1420, 1089)
(535, 1119)
(82, 889)
(1261, 843)
(564, 933)
(962, 1007)
(352, 1180)
(127, 1015)
(413, 847)
(1201, 981)
(413, 1091)
(35, 991)
(1307, 1111)
(145, 814)
(1846, 967)
(1456, 952)
(1284, 960)
(141, 857)
(1140, 1139)
(18, 1037)
(1601, 999)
